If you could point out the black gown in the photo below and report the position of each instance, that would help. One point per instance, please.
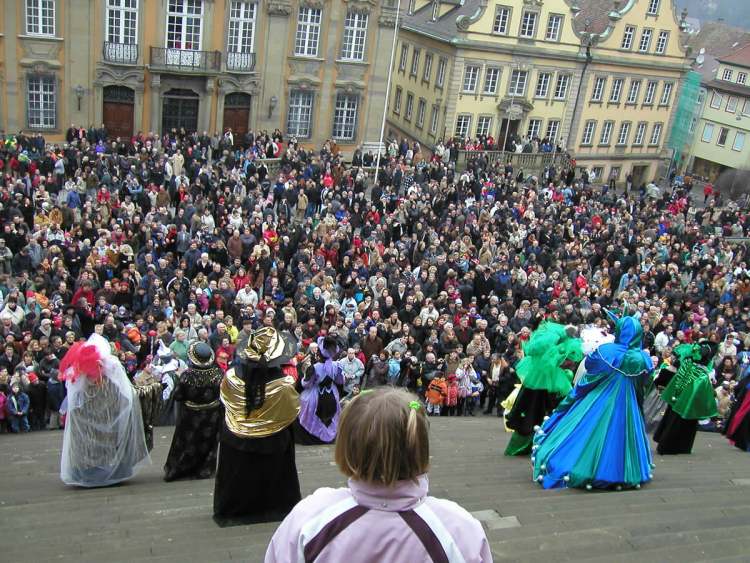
(675, 435)
(199, 421)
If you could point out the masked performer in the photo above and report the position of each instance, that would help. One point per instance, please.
(738, 424)
(596, 437)
(319, 403)
(104, 441)
(256, 478)
(199, 419)
(545, 379)
(149, 395)
(689, 397)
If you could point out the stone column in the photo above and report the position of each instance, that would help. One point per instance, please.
(10, 69)
(274, 67)
(155, 124)
(137, 109)
(379, 58)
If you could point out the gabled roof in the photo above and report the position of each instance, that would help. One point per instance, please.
(738, 57)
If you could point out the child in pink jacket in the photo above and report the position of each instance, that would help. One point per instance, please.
(385, 514)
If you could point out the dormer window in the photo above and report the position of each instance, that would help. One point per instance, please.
(653, 7)
(435, 10)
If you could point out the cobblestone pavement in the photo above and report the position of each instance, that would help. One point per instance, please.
(695, 510)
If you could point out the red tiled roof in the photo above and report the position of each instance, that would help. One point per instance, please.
(739, 57)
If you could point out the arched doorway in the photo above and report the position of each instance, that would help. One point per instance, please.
(237, 114)
(179, 110)
(117, 111)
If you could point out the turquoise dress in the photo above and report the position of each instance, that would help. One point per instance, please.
(596, 438)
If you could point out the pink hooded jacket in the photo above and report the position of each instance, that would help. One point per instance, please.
(394, 524)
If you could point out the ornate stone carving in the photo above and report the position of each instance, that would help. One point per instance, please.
(350, 87)
(387, 19)
(360, 6)
(279, 8)
(304, 83)
(229, 84)
(316, 4)
(107, 75)
(464, 22)
(38, 51)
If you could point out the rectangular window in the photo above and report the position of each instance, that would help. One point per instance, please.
(554, 25)
(409, 106)
(184, 23)
(723, 134)
(739, 141)
(553, 127)
(484, 123)
(655, 134)
(528, 24)
(518, 83)
(598, 92)
(588, 132)
(708, 133)
(635, 88)
(241, 28)
(716, 100)
(471, 75)
(355, 33)
(746, 107)
(645, 43)
(606, 135)
(345, 117)
(614, 94)
(666, 94)
(653, 7)
(414, 63)
(535, 128)
(741, 77)
(661, 42)
(561, 88)
(397, 100)
(421, 106)
(299, 118)
(42, 102)
(502, 18)
(427, 71)
(463, 122)
(727, 75)
(542, 85)
(640, 133)
(404, 56)
(122, 22)
(308, 32)
(440, 78)
(732, 104)
(627, 37)
(693, 125)
(648, 99)
(491, 79)
(40, 17)
(622, 138)
(434, 116)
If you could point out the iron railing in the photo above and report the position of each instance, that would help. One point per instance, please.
(532, 163)
(122, 53)
(241, 62)
(185, 60)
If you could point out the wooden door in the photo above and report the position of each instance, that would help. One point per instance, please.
(236, 119)
(118, 119)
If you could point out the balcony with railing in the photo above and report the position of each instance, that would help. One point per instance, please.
(120, 53)
(240, 62)
(185, 60)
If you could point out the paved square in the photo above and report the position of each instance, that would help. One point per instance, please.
(696, 510)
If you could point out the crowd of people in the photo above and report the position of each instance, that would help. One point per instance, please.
(429, 278)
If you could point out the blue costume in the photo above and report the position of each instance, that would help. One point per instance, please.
(596, 438)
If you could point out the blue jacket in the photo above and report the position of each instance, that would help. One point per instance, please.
(18, 405)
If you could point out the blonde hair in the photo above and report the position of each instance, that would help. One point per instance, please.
(383, 437)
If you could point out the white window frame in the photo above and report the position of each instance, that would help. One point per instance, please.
(515, 82)
(589, 129)
(300, 113)
(534, 129)
(725, 131)
(606, 136)
(501, 22)
(741, 77)
(409, 108)
(661, 42)
(414, 70)
(397, 100)
(355, 36)
(421, 108)
(746, 107)
(120, 14)
(644, 43)
(543, 80)
(666, 94)
(561, 86)
(435, 9)
(732, 104)
(471, 79)
(427, 69)
(553, 129)
(345, 113)
(727, 74)
(404, 57)
(241, 32)
(529, 21)
(484, 125)
(739, 141)
(41, 101)
(440, 76)
(40, 17)
(655, 138)
(434, 118)
(597, 92)
(628, 35)
(616, 91)
(463, 121)
(554, 27)
(622, 136)
(491, 80)
(651, 87)
(707, 128)
(633, 92)
(717, 99)
(653, 7)
(307, 36)
(640, 133)
(183, 18)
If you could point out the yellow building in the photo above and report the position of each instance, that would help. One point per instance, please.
(598, 82)
(304, 66)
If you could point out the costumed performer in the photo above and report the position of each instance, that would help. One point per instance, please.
(319, 403)
(149, 396)
(104, 442)
(199, 418)
(545, 380)
(689, 396)
(256, 477)
(738, 424)
(596, 437)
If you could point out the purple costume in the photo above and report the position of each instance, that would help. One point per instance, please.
(319, 402)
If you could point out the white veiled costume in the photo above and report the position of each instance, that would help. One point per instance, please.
(104, 441)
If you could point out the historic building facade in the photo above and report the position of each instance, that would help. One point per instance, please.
(599, 83)
(305, 66)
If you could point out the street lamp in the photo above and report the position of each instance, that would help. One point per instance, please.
(272, 105)
(80, 91)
